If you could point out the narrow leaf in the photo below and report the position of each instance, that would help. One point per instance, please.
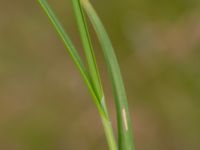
(93, 71)
(71, 49)
(123, 117)
(89, 52)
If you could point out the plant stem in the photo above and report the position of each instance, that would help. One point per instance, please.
(109, 133)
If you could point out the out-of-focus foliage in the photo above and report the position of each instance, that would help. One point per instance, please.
(44, 104)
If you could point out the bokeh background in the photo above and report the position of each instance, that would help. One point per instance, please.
(44, 104)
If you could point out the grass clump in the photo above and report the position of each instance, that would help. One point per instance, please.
(91, 75)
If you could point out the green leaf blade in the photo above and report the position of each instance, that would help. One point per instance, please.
(124, 121)
(93, 71)
(72, 51)
(88, 48)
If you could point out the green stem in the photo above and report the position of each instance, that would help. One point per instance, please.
(109, 133)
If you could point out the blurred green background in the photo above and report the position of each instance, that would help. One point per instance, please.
(44, 104)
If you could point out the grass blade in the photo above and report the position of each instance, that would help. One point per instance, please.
(93, 70)
(97, 93)
(71, 49)
(124, 121)
(65, 38)
(85, 37)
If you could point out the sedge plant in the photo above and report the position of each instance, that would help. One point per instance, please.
(90, 72)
